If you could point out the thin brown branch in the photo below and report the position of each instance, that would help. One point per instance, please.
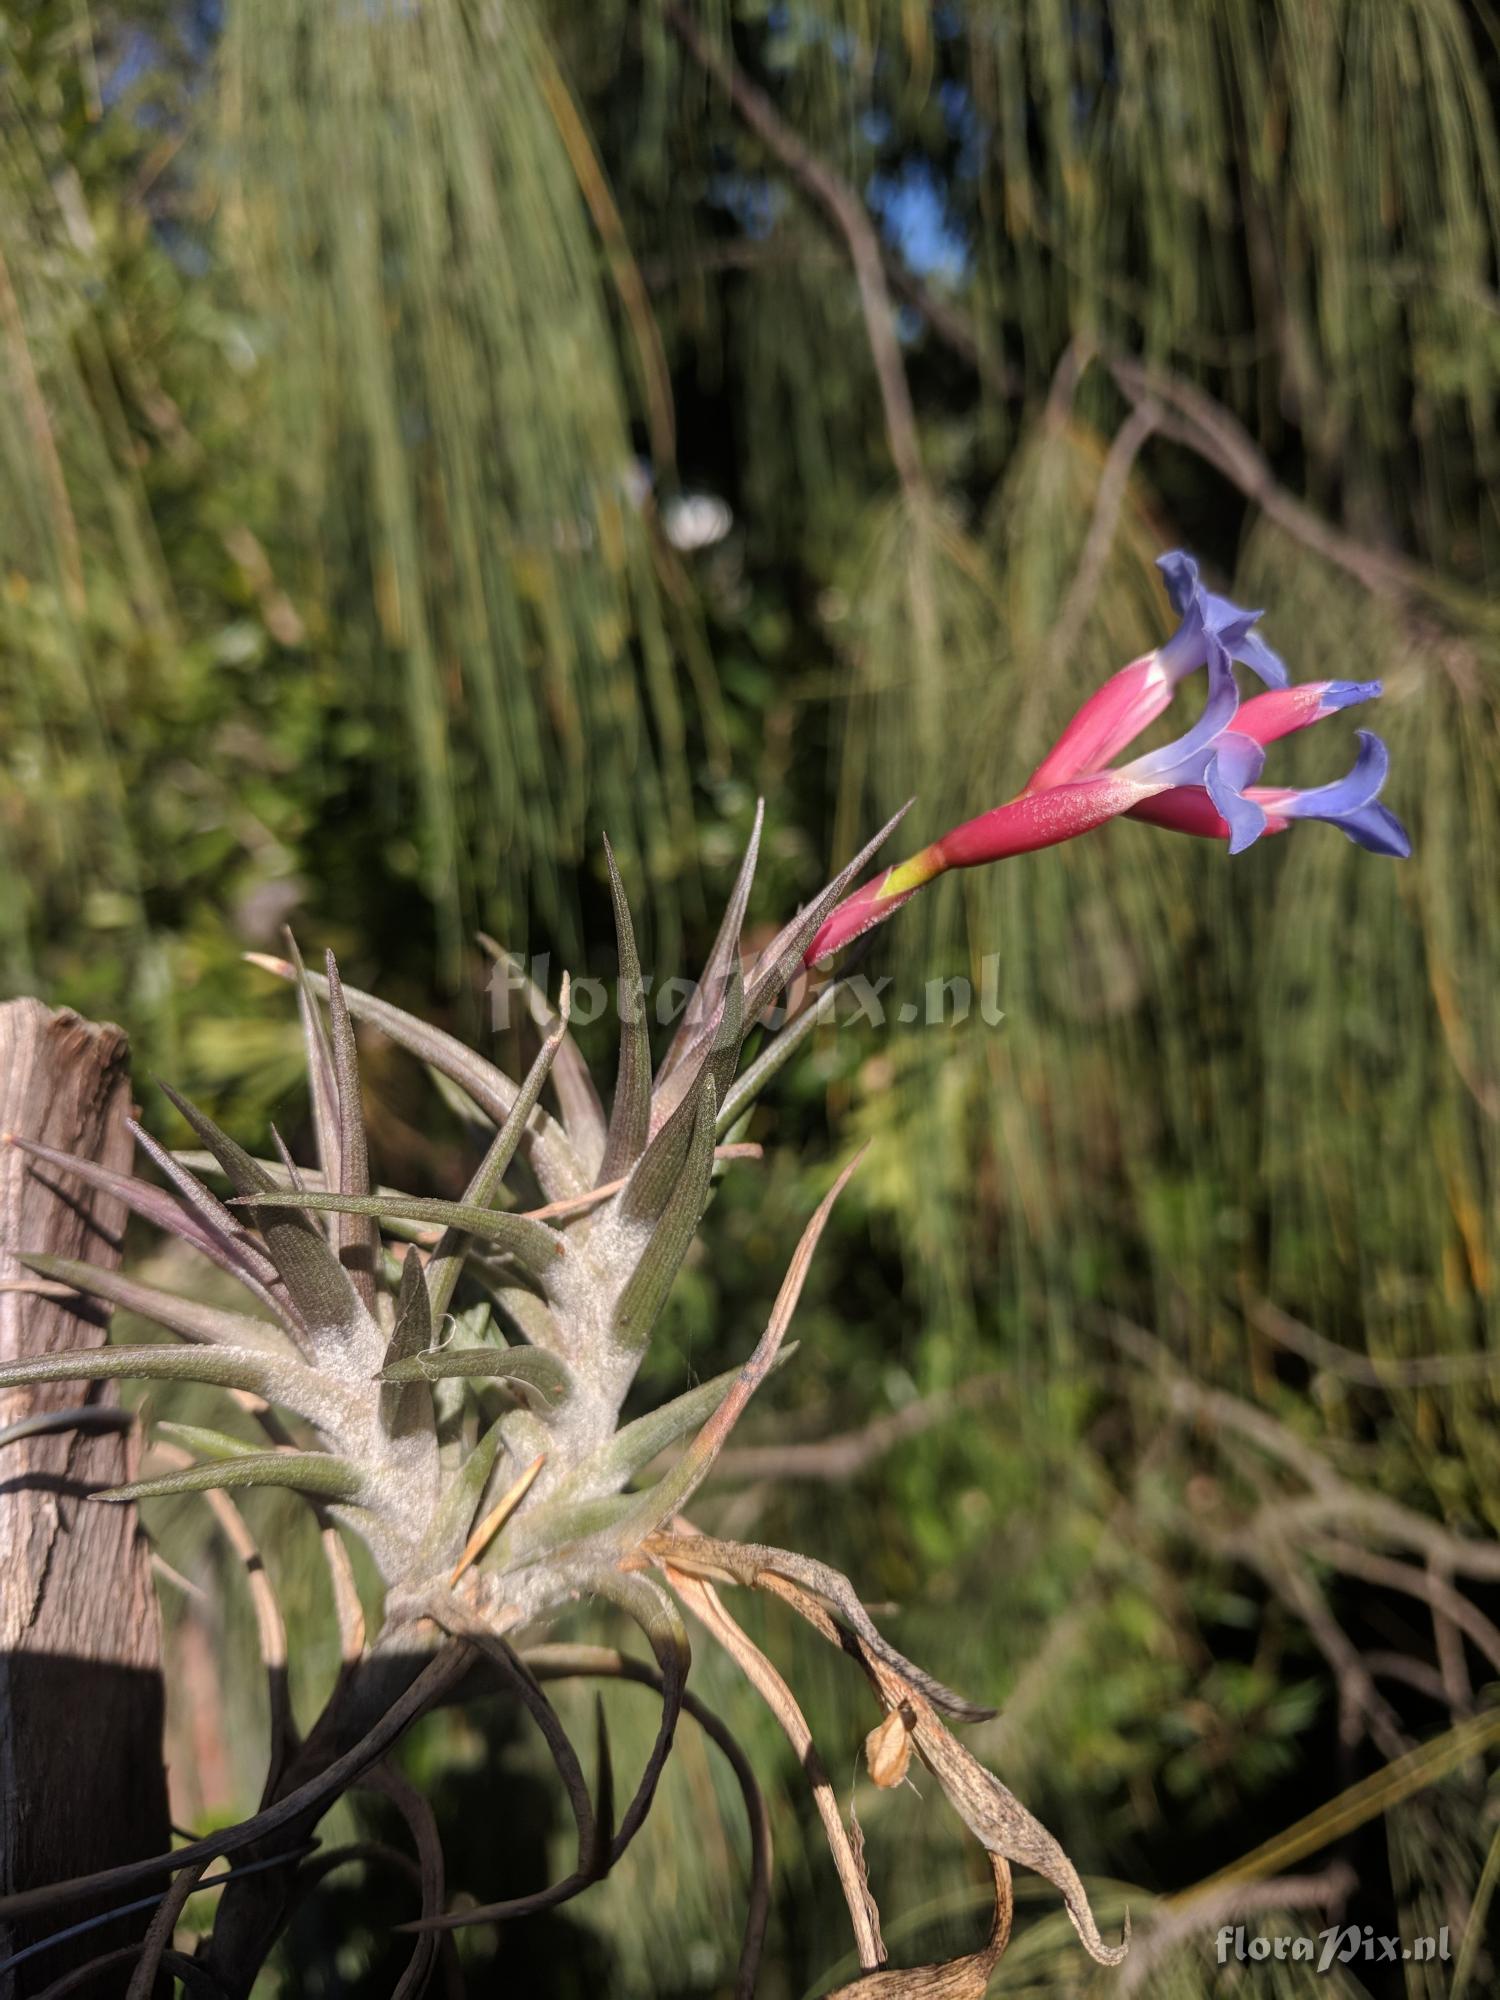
(1352, 1507)
(1431, 1589)
(1193, 1915)
(1192, 417)
(1416, 1371)
(1216, 1408)
(1413, 1673)
(1361, 1704)
(1333, 1499)
(1458, 1689)
(1206, 428)
(840, 202)
(848, 1453)
(1114, 481)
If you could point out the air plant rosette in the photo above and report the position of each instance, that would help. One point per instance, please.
(445, 1379)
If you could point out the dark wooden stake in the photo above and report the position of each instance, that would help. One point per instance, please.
(81, 1779)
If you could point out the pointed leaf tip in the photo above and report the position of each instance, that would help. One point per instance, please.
(318, 1473)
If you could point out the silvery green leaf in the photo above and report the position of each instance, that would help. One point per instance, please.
(663, 1161)
(448, 1259)
(582, 1114)
(318, 1284)
(412, 1333)
(401, 1411)
(725, 953)
(355, 1238)
(543, 1530)
(187, 1317)
(528, 1366)
(634, 1445)
(222, 1367)
(747, 1087)
(524, 1436)
(322, 1081)
(630, 1115)
(454, 1518)
(208, 1443)
(534, 1246)
(556, 1165)
(313, 1472)
(645, 1291)
(309, 1180)
(672, 1493)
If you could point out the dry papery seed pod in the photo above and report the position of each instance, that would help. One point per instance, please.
(484, 1525)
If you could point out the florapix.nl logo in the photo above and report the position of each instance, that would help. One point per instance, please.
(1339, 1944)
(848, 1000)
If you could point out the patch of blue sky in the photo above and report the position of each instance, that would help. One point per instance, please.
(912, 204)
(203, 24)
(139, 54)
(754, 202)
(965, 126)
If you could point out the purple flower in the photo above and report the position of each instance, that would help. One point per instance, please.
(1193, 604)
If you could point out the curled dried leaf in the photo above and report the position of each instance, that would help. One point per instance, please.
(758, 1566)
(994, 1815)
(888, 1750)
(965, 1978)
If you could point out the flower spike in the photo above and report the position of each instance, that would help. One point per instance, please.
(1202, 783)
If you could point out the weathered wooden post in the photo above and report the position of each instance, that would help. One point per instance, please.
(81, 1779)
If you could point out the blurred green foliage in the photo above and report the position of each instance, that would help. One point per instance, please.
(334, 339)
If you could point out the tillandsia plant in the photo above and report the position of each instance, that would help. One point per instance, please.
(445, 1379)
